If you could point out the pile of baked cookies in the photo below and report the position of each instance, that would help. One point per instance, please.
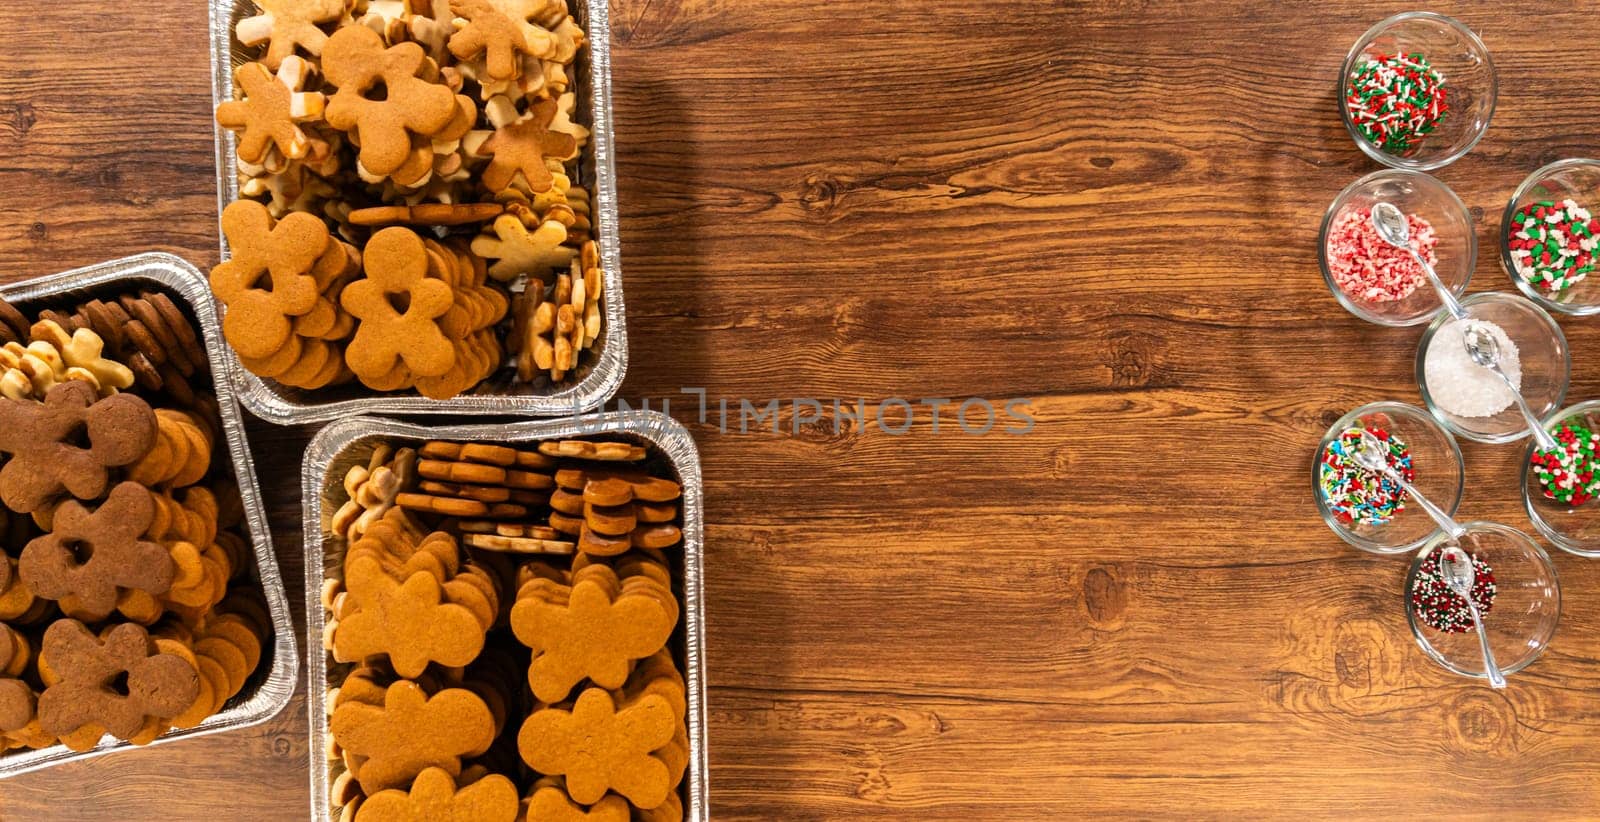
(409, 216)
(128, 603)
(500, 629)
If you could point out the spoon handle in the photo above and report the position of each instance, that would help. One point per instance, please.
(1451, 304)
(1434, 512)
(1496, 679)
(1536, 428)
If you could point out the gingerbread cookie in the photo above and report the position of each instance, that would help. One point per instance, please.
(600, 746)
(411, 732)
(269, 110)
(287, 25)
(408, 621)
(69, 443)
(434, 797)
(91, 556)
(518, 150)
(595, 628)
(391, 337)
(549, 803)
(83, 699)
(357, 61)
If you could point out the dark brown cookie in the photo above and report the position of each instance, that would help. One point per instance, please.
(91, 556)
(86, 671)
(152, 321)
(68, 443)
(13, 320)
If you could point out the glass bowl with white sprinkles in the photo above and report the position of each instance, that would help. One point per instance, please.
(1417, 91)
(1370, 511)
(1514, 586)
(1550, 237)
(1561, 488)
(1468, 398)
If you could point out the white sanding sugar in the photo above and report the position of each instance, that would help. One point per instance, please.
(1459, 385)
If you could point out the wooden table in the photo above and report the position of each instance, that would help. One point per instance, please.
(1108, 207)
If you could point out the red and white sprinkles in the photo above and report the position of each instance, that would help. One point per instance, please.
(1369, 269)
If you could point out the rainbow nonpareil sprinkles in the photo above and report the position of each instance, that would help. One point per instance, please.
(1356, 495)
(1438, 607)
(1552, 245)
(1396, 100)
(1567, 474)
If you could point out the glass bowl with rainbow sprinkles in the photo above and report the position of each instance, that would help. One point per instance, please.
(1370, 511)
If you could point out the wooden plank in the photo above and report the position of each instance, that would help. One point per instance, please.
(1108, 207)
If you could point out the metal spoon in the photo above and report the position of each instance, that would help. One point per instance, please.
(1484, 350)
(1393, 228)
(1459, 575)
(1373, 455)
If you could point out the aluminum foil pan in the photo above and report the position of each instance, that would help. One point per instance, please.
(350, 442)
(600, 373)
(270, 688)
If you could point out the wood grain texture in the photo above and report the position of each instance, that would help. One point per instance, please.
(1108, 206)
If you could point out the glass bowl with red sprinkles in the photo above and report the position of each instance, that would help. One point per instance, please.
(1417, 91)
(1369, 512)
(1550, 237)
(1383, 284)
(1515, 587)
(1561, 489)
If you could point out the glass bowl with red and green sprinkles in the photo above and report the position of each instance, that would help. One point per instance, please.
(1514, 586)
(1417, 91)
(1550, 236)
(1561, 486)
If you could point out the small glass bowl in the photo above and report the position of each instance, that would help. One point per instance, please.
(1575, 179)
(1470, 85)
(1542, 353)
(1413, 193)
(1575, 529)
(1435, 458)
(1526, 608)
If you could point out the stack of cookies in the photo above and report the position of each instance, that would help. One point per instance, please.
(561, 701)
(435, 139)
(125, 606)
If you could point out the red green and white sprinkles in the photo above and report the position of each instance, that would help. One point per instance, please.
(1567, 474)
(1356, 495)
(1396, 100)
(1552, 245)
(1438, 607)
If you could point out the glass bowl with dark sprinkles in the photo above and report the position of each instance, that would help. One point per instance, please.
(1514, 586)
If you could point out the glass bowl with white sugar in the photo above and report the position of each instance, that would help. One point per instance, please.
(1470, 399)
